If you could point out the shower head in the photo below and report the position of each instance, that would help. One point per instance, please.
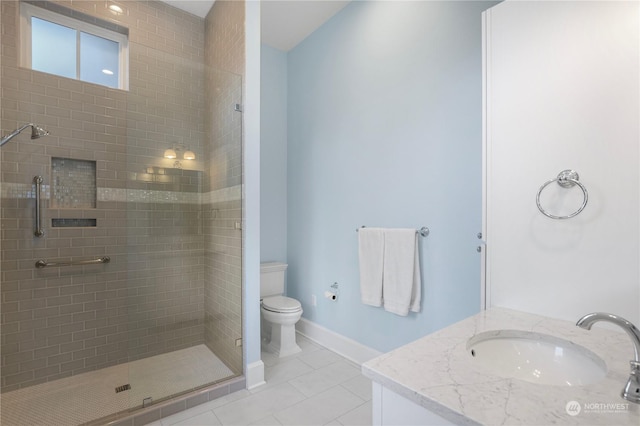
(36, 132)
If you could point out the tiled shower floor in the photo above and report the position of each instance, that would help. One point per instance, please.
(89, 396)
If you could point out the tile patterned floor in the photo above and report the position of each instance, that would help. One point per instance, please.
(314, 387)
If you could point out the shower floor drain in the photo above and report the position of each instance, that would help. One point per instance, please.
(123, 388)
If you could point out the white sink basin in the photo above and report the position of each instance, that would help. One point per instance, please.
(536, 358)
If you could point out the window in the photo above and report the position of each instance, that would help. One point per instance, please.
(72, 48)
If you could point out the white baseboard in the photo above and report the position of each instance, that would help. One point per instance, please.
(255, 374)
(344, 346)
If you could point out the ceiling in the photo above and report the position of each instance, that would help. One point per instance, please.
(195, 7)
(284, 24)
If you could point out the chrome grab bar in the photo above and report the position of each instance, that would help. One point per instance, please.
(37, 180)
(44, 264)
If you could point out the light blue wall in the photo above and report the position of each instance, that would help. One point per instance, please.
(273, 155)
(384, 129)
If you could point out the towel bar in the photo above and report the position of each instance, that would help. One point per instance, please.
(424, 231)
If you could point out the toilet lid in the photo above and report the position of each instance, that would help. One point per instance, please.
(281, 304)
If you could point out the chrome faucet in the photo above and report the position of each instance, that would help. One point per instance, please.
(631, 391)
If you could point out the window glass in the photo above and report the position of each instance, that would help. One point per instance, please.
(59, 44)
(53, 48)
(99, 60)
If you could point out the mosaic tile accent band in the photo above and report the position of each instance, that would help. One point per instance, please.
(73, 223)
(21, 191)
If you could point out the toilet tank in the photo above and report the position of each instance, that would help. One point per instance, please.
(272, 278)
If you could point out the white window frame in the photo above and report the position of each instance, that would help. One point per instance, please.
(28, 11)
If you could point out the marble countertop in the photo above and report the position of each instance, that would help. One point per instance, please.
(438, 373)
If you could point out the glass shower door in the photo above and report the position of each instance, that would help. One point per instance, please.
(184, 232)
(81, 343)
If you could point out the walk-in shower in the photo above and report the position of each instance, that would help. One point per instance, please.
(36, 133)
(86, 340)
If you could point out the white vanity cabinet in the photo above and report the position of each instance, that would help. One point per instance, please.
(389, 408)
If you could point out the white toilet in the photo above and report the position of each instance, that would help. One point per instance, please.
(279, 313)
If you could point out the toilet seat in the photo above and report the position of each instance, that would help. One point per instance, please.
(281, 304)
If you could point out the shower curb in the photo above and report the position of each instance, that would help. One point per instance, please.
(175, 405)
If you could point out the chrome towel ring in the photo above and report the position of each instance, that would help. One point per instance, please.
(566, 179)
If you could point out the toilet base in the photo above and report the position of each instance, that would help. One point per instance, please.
(283, 340)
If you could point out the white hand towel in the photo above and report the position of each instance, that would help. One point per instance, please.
(370, 252)
(401, 285)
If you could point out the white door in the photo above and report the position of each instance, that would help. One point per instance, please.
(562, 92)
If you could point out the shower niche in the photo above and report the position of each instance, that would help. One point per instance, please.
(73, 186)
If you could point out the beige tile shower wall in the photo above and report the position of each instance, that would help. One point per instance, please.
(224, 35)
(224, 52)
(150, 299)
